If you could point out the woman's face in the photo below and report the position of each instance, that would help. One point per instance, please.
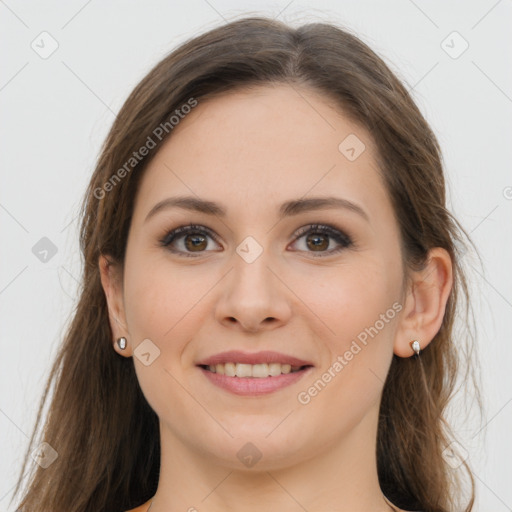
(259, 278)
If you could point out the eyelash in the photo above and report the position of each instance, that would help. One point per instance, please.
(338, 236)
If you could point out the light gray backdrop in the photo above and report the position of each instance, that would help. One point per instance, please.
(67, 67)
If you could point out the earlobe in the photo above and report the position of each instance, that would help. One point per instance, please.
(112, 286)
(425, 303)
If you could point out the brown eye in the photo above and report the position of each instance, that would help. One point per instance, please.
(187, 240)
(318, 238)
(193, 242)
(317, 242)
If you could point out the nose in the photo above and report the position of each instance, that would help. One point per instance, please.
(253, 297)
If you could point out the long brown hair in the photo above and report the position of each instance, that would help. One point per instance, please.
(105, 433)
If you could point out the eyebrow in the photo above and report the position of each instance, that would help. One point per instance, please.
(288, 208)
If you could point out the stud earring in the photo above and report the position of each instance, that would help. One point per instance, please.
(415, 345)
(121, 343)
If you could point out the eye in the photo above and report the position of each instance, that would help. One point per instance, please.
(318, 238)
(189, 239)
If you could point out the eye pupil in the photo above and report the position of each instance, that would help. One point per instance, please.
(195, 241)
(318, 241)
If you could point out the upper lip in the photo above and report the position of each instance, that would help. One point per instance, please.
(266, 356)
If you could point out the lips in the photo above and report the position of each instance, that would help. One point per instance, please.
(267, 356)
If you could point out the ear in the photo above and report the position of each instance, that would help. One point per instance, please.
(112, 282)
(425, 303)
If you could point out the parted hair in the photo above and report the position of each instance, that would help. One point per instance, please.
(99, 422)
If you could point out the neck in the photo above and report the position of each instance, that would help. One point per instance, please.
(341, 477)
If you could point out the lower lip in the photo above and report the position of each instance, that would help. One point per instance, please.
(254, 386)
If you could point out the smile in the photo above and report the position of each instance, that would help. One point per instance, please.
(253, 380)
(259, 371)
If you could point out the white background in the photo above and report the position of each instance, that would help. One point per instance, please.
(57, 111)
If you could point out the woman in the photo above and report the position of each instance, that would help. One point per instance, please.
(270, 285)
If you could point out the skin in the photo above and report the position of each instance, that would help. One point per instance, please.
(251, 151)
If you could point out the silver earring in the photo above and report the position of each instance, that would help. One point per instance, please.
(415, 345)
(121, 343)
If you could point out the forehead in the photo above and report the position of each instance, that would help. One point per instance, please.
(269, 120)
(253, 147)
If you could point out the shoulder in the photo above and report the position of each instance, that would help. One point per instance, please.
(141, 508)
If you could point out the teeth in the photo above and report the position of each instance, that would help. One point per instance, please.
(229, 369)
(243, 370)
(252, 370)
(274, 369)
(259, 370)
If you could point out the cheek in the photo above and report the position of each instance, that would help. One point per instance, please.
(358, 309)
(350, 299)
(161, 305)
(158, 300)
